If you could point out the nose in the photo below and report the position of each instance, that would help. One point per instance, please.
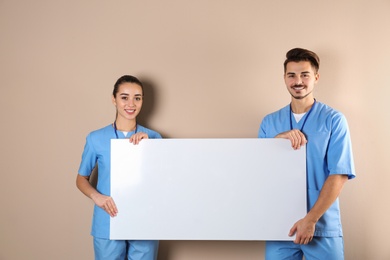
(130, 102)
(298, 81)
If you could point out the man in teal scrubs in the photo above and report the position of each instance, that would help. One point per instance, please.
(329, 162)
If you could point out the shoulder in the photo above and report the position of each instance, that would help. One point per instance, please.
(333, 119)
(278, 114)
(275, 123)
(99, 133)
(328, 112)
(151, 133)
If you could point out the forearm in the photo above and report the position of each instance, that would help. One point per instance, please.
(329, 193)
(83, 184)
(102, 201)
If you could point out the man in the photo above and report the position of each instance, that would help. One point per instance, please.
(329, 161)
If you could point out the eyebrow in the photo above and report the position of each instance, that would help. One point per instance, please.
(293, 73)
(125, 94)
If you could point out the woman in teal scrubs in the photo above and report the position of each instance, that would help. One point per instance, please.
(128, 98)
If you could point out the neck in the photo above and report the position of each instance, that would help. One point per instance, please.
(299, 106)
(125, 125)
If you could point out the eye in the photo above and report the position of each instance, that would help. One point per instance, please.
(124, 98)
(138, 98)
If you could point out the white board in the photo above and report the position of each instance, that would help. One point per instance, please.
(207, 189)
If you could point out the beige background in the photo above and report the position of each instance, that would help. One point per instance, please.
(212, 69)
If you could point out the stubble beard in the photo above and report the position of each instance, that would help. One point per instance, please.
(300, 97)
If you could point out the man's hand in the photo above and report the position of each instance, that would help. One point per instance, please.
(304, 230)
(296, 137)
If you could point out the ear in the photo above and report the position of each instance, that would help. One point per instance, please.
(113, 100)
(317, 77)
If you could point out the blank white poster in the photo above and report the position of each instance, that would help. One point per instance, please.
(207, 189)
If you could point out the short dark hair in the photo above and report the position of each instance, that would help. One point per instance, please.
(126, 79)
(299, 54)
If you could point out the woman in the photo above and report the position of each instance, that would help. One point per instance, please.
(127, 98)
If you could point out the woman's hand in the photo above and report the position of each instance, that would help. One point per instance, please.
(136, 138)
(106, 203)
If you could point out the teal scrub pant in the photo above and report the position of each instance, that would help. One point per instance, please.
(320, 248)
(106, 249)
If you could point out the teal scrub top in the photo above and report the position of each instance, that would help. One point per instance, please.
(328, 151)
(97, 150)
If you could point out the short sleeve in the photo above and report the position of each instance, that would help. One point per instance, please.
(88, 158)
(262, 131)
(339, 156)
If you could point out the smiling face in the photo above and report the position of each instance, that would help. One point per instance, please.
(128, 101)
(300, 79)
